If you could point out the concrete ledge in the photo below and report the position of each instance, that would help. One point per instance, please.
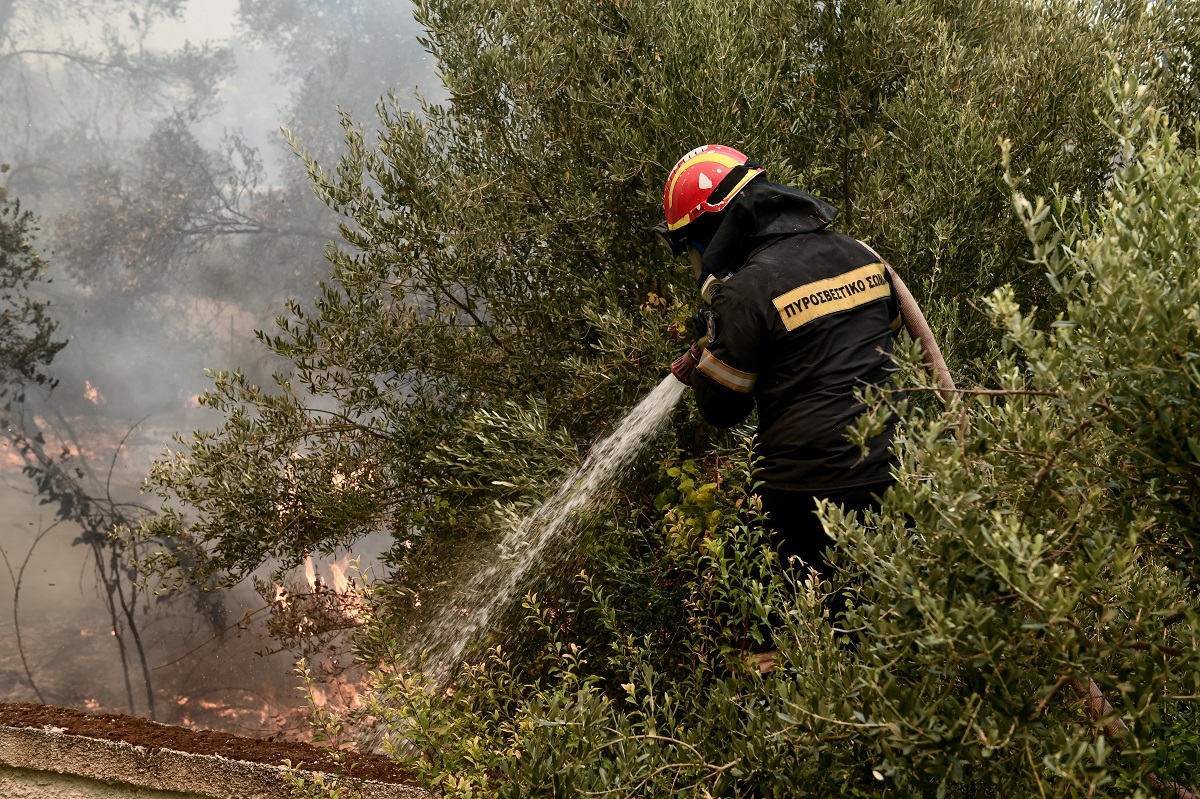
(20, 783)
(31, 754)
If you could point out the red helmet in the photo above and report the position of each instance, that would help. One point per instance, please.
(703, 181)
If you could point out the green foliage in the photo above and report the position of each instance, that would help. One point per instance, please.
(496, 252)
(27, 344)
(1178, 741)
(547, 727)
(1039, 534)
(497, 307)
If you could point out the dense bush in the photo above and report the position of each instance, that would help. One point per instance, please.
(500, 307)
(27, 343)
(499, 258)
(1039, 534)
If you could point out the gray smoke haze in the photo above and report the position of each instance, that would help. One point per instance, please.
(145, 135)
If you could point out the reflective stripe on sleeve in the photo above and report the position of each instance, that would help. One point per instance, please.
(725, 374)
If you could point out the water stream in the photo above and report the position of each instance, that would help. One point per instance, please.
(493, 587)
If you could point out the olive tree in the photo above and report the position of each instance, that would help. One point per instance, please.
(496, 262)
(1037, 548)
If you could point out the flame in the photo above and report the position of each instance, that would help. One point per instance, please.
(336, 590)
(340, 572)
(92, 394)
(339, 692)
(342, 481)
(281, 596)
(310, 573)
(10, 459)
(337, 569)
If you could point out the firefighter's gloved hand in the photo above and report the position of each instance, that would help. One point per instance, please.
(697, 326)
(684, 366)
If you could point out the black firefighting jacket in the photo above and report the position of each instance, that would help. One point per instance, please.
(806, 319)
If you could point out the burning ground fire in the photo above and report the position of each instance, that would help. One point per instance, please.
(198, 679)
(236, 678)
(223, 661)
(337, 602)
(314, 618)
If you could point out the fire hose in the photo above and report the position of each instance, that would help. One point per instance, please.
(1099, 711)
(1101, 714)
(918, 328)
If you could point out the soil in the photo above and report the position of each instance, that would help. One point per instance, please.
(152, 735)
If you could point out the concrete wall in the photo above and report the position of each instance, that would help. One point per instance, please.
(47, 764)
(19, 783)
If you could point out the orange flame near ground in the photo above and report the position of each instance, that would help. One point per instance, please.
(340, 579)
(92, 394)
(341, 582)
(337, 569)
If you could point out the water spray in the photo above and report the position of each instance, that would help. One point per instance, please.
(523, 546)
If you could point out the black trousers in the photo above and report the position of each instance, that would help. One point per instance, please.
(797, 533)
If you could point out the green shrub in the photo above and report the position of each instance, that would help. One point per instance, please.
(1040, 531)
(498, 305)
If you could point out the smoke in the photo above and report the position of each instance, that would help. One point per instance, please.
(148, 143)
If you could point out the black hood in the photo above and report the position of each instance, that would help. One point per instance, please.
(762, 210)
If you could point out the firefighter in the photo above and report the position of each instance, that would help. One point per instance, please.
(797, 317)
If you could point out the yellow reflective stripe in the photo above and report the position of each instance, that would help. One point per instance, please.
(726, 375)
(687, 218)
(718, 158)
(710, 157)
(683, 220)
(820, 298)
